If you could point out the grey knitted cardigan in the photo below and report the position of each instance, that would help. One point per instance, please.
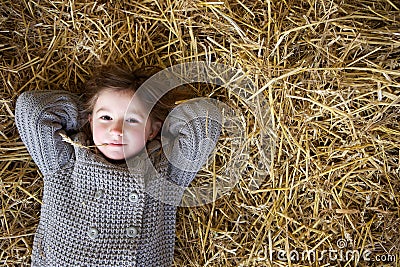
(96, 213)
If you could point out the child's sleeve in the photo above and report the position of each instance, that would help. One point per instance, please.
(194, 128)
(40, 117)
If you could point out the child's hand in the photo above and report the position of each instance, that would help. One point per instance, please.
(187, 113)
(195, 127)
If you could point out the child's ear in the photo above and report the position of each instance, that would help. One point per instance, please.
(155, 128)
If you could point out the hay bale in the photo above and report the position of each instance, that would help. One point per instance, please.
(329, 71)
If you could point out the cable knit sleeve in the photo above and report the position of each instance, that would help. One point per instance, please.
(194, 128)
(40, 118)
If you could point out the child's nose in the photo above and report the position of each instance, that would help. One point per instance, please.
(116, 128)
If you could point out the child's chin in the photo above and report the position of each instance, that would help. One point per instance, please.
(118, 155)
(112, 156)
(116, 158)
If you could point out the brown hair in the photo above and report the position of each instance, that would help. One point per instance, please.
(112, 77)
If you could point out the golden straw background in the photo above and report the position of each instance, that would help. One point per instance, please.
(330, 71)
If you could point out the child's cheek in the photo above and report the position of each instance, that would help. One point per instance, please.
(138, 137)
(98, 132)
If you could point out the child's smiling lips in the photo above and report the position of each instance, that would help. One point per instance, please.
(116, 144)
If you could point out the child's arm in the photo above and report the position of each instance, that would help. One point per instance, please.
(40, 118)
(195, 126)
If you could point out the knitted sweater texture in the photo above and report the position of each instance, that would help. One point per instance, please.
(96, 213)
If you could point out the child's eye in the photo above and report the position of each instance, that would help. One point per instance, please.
(132, 120)
(106, 118)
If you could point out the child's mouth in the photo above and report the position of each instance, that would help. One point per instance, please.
(115, 144)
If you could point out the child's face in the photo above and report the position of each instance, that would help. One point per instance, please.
(125, 131)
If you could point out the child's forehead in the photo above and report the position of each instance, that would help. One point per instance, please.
(117, 92)
(110, 99)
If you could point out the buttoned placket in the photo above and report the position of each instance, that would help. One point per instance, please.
(131, 231)
(133, 197)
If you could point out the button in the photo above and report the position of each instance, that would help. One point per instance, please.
(93, 233)
(131, 231)
(133, 197)
(99, 194)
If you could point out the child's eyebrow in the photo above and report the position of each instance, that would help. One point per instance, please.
(101, 109)
(132, 113)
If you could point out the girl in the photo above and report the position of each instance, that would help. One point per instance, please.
(96, 211)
